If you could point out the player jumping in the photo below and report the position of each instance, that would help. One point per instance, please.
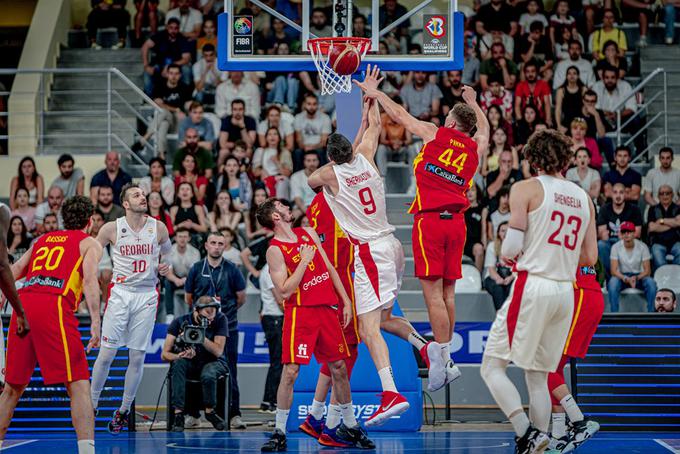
(136, 241)
(443, 170)
(58, 268)
(552, 229)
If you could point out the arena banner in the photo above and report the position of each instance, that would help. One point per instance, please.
(467, 344)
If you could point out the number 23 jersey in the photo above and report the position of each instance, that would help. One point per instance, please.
(136, 255)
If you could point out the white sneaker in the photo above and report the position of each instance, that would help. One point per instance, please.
(237, 423)
(190, 422)
(169, 318)
(452, 372)
(95, 46)
(118, 45)
(437, 373)
(669, 41)
(642, 42)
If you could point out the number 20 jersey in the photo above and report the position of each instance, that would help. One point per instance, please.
(555, 231)
(136, 255)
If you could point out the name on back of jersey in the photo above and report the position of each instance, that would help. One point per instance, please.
(567, 200)
(357, 179)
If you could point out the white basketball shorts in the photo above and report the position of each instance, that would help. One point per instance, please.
(378, 272)
(129, 317)
(532, 326)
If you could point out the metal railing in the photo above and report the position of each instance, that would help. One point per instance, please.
(643, 108)
(117, 109)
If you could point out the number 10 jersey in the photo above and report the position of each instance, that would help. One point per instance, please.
(136, 255)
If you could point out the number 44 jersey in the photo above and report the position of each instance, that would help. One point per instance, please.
(136, 255)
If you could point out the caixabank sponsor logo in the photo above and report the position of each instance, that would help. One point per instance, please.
(361, 412)
(445, 174)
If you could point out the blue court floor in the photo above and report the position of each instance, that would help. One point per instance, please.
(393, 443)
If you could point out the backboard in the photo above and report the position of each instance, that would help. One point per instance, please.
(272, 35)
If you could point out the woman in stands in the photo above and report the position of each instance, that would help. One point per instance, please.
(23, 209)
(578, 130)
(18, 239)
(569, 99)
(499, 277)
(499, 143)
(236, 182)
(27, 178)
(158, 181)
(189, 172)
(224, 213)
(159, 211)
(526, 125)
(187, 213)
(273, 164)
(208, 36)
(496, 120)
(253, 228)
(274, 119)
(585, 176)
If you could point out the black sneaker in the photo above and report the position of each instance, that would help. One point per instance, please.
(137, 146)
(118, 422)
(356, 436)
(533, 441)
(276, 443)
(178, 425)
(579, 432)
(214, 419)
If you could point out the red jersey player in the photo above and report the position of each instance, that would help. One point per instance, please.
(303, 275)
(340, 252)
(58, 268)
(443, 169)
(588, 310)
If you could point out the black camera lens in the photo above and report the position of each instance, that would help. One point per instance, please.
(194, 335)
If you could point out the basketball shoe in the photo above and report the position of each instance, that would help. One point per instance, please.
(391, 404)
(532, 442)
(312, 426)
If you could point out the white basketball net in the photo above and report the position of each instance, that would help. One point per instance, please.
(332, 82)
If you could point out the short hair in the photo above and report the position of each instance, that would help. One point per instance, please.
(195, 105)
(208, 47)
(124, 190)
(532, 62)
(498, 44)
(265, 211)
(175, 66)
(104, 186)
(229, 230)
(665, 289)
(623, 148)
(273, 107)
(496, 79)
(549, 151)
(318, 9)
(76, 212)
(240, 144)
(666, 150)
(172, 20)
(309, 94)
(182, 230)
(504, 191)
(238, 101)
(465, 117)
(577, 42)
(610, 69)
(65, 158)
(50, 215)
(589, 92)
(536, 26)
(214, 233)
(339, 149)
(310, 153)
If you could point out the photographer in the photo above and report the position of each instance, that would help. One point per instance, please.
(195, 347)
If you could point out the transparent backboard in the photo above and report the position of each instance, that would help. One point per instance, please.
(272, 35)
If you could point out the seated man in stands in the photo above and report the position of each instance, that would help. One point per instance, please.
(203, 126)
(665, 174)
(169, 47)
(206, 75)
(108, 13)
(664, 228)
(665, 300)
(190, 19)
(623, 173)
(631, 267)
(192, 145)
(608, 32)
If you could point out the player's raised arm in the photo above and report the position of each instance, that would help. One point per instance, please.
(423, 129)
(284, 284)
(107, 234)
(7, 279)
(91, 251)
(483, 128)
(589, 246)
(369, 142)
(364, 123)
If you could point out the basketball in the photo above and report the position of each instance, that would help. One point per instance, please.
(344, 59)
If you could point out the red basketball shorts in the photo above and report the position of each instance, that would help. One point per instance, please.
(312, 330)
(53, 342)
(588, 309)
(438, 245)
(349, 362)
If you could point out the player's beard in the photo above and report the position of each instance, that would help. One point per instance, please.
(138, 209)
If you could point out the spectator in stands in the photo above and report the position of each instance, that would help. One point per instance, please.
(499, 14)
(181, 258)
(499, 276)
(187, 213)
(312, 128)
(623, 173)
(158, 210)
(533, 90)
(526, 125)
(18, 238)
(560, 20)
(147, 12)
(664, 228)
(496, 35)
(500, 214)
(27, 178)
(208, 36)
(110, 211)
(585, 68)
(237, 87)
(207, 77)
(158, 181)
(190, 19)
(497, 121)
(579, 140)
(253, 228)
(569, 100)
(471, 66)
(169, 47)
(670, 11)
(23, 209)
(421, 98)
(497, 95)
(499, 67)
(319, 23)
(665, 300)
(271, 318)
(610, 218)
(612, 59)
(499, 144)
(562, 44)
(231, 253)
(584, 175)
(396, 143)
(389, 12)
(273, 164)
(597, 126)
(202, 156)
(300, 192)
(475, 221)
(50, 224)
(664, 175)
(630, 268)
(282, 88)
(533, 14)
(274, 119)
(224, 213)
(276, 36)
(536, 47)
(505, 175)
(111, 176)
(608, 32)
(203, 126)
(235, 181)
(71, 180)
(55, 198)
(452, 90)
(236, 126)
(189, 172)
(108, 13)
(641, 12)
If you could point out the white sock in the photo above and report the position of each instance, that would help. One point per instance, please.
(387, 379)
(100, 371)
(348, 414)
(571, 407)
(559, 425)
(416, 340)
(85, 446)
(1, 442)
(446, 352)
(281, 419)
(133, 377)
(334, 416)
(317, 409)
(520, 422)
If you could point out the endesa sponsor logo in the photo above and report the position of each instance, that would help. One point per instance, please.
(316, 280)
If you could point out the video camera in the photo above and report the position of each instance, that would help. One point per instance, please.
(191, 334)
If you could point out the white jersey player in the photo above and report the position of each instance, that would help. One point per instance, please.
(137, 241)
(552, 230)
(355, 193)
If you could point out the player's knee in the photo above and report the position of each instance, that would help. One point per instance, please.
(290, 373)
(338, 369)
(368, 332)
(13, 392)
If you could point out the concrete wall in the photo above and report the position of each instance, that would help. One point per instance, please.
(16, 13)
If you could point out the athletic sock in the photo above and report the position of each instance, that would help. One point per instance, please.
(387, 379)
(446, 352)
(416, 340)
(348, 414)
(1, 442)
(85, 446)
(571, 408)
(520, 422)
(559, 425)
(334, 416)
(317, 409)
(281, 419)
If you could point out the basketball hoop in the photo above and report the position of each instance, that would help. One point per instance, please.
(324, 50)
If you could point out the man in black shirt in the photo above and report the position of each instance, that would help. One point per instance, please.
(499, 14)
(237, 126)
(205, 361)
(169, 47)
(452, 92)
(664, 228)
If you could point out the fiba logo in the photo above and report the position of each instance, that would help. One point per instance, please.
(436, 26)
(302, 350)
(243, 26)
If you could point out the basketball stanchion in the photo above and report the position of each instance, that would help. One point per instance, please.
(337, 59)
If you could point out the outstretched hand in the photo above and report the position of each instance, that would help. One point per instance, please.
(469, 95)
(371, 81)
